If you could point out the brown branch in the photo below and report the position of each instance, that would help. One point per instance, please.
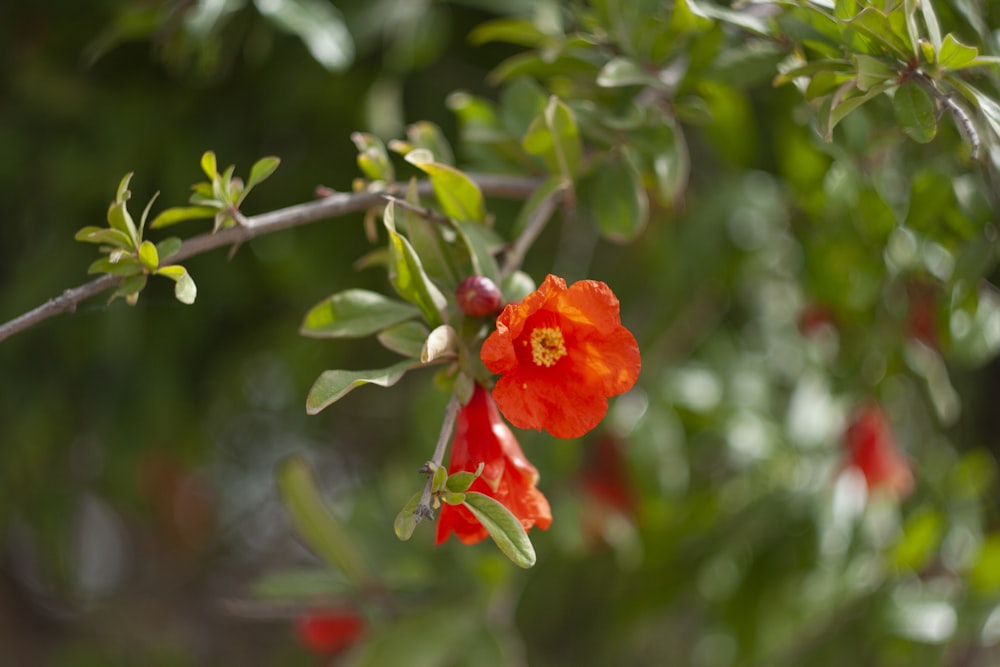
(335, 205)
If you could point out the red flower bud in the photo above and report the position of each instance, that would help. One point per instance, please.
(478, 296)
(329, 631)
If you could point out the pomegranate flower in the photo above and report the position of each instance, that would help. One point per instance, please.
(872, 449)
(482, 437)
(561, 352)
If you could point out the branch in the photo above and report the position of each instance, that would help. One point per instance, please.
(335, 205)
(424, 510)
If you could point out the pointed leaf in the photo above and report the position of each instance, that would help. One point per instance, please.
(331, 386)
(458, 195)
(503, 527)
(317, 525)
(148, 255)
(916, 112)
(185, 290)
(955, 55)
(354, 313)
(112, 237)
(406, 338)
(406, 273)
(261, 170)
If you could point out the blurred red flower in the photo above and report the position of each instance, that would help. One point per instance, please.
(561, 352)
(481, 436)
(329, 631)
(607, 492)
(871, 447)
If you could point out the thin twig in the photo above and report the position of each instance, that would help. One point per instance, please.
(424, 510)
(335, 205)
(536, 223)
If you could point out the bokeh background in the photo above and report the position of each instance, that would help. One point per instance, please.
(707, 523)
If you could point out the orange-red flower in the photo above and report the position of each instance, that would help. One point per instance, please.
(482, 437)
(872, 449)
(561, 353)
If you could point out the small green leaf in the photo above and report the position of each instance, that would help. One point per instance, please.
(168, 247)
(129, 288)
(331, 386)
(406, 273)
(621, 71)
(185, 290)
(872, 71)
(427, 135)
(459, 196)
(127, 266)
(405, 338)
(177, 214)
(354, 313)
(373, 159)
(921, 536)
(317, 525)
(616, 200)
(481, 242)
(261, 170)
(916, 112)
(208, 165)
(407, 520)
(955, 55)
(877, 29)
(148, 255)
(985, 573)
(112, 237)
(554, 137)
(503, 527)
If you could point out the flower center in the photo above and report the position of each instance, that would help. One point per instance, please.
(547, 346)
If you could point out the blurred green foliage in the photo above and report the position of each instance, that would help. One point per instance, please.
(774, 281)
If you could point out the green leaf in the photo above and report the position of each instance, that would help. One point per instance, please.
(300, 584)
(428, 242)
(373, 159)
(331, 386)
(407, 520)
(916, 112)
(407, 276)
(209, 166)
(955, 55)
(621, 71)
(148, 255)
(459, 196)
(127, 266)
(439, 479)
(514, 31)
(429, 136)
(318, 24)
(481, 242)
(168, 247)
(261, 170)
(406, 338)
(354, 313)
(185, 290)
(876, 27)
(985, 573)
(316, 524)
(516, 286)
(921, 536)
(744, 19)
(554, 137)
(503, 527)
(615, 198)
(112, 237)
(872, 71)
(459, 482)
(129, 288)
(931, 21)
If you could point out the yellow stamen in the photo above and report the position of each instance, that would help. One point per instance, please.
(547, 346)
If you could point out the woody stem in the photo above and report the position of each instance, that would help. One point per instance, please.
(424, 510)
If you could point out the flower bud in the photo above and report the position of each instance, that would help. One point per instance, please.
(478, 296)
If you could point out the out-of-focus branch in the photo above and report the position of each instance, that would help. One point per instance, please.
(335, 205)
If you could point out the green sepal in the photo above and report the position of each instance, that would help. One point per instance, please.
(354, 313)
(331, 386)
(459, 482)
(503, 527)
(439, 479)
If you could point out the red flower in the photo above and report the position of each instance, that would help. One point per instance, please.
(481, 436)
(561, 353)
(872, 449)
(329, 631)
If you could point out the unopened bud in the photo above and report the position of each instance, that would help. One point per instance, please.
(478, 296)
